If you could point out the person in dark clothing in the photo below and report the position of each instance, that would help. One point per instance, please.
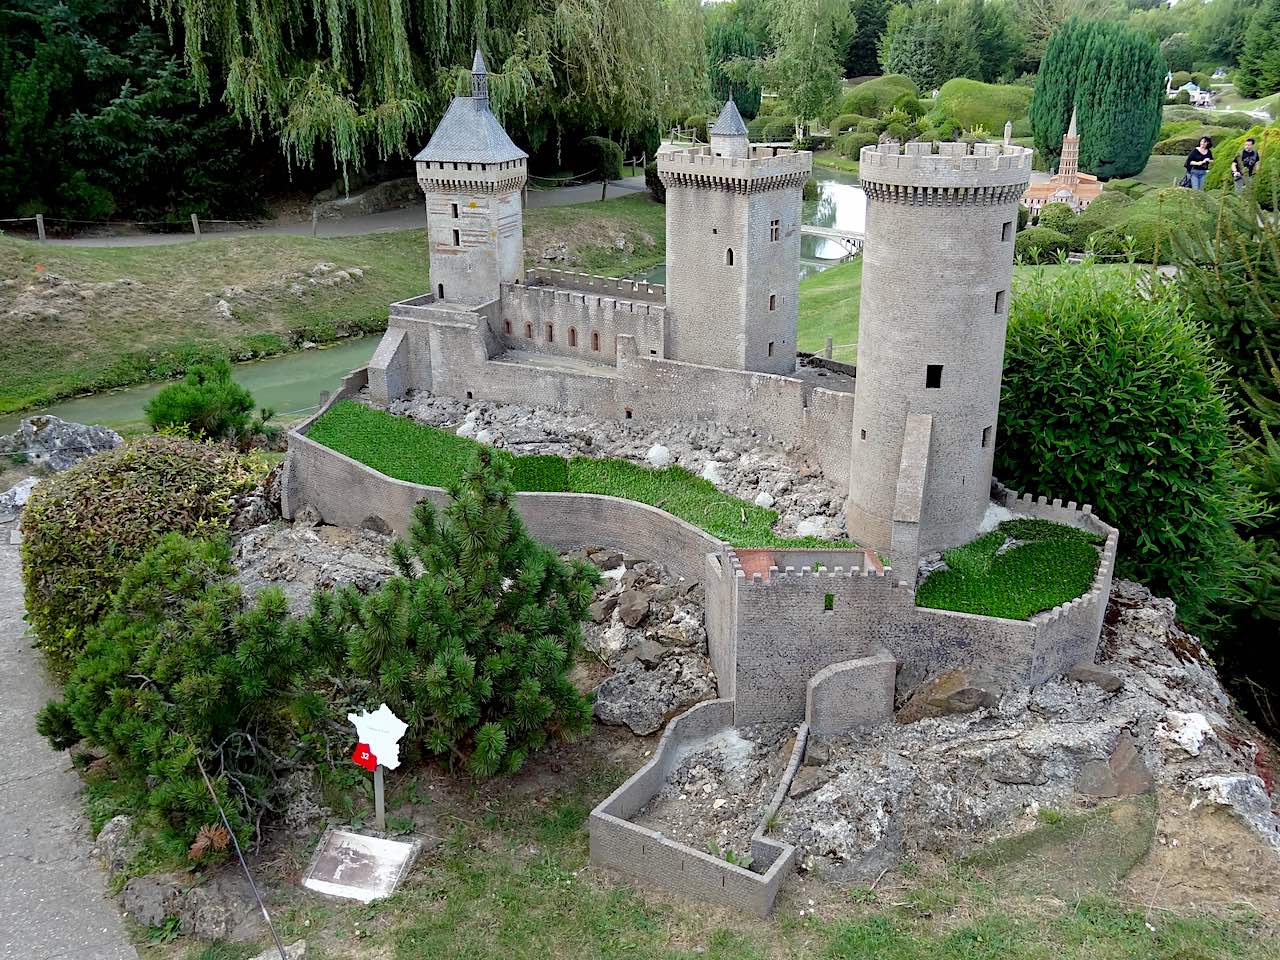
(1197, 164)
(1244, 164)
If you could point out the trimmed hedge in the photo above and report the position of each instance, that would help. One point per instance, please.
(1148, 226)
(1180, 144)
(845, 122)
(784, 129)
(851, 144)
(1039, 244)
(1268, 170)
(1108, 209)
(1178, 113)
(972, 103)
(406, 450)
(83, 527)
(1057, 216)
(877, 96)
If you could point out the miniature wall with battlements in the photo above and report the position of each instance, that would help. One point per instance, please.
(559, 321)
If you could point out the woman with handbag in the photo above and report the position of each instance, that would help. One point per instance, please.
(1197, 164)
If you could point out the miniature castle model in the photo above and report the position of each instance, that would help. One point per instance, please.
(823, 637)
(1077, 190)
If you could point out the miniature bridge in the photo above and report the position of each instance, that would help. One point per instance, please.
(849, 239)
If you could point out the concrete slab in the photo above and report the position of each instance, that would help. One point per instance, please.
(356, 867)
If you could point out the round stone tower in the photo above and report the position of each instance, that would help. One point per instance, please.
(937, 265)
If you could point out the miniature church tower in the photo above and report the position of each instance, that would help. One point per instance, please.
(733, 249)
(938, 263)
(1069, 162)
(472, 176)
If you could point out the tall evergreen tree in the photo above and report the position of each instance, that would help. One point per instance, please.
(1259, 73)
(862, 56)
(473, 642)
(1113, 77)
(726, 40)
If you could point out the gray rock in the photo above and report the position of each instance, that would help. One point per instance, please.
(55, 444)
(807, 780)
(15, 498)
(816, 752)
(307, 516)
(650, 652)
(152, 899)
(602, 609)
(633, 607)
(222, 909)
(1086, 672)
(294, 951)
(956, 691)
(645, 700)
(1245, 796)
(116, 844)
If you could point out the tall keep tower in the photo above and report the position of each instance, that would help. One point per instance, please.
(733, 249)
(935, 300)
(1069, 162)
(472, 175)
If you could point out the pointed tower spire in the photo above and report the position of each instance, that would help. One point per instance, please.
(479, 78)
(1071, 127)
(728, 134)
(1069, 164)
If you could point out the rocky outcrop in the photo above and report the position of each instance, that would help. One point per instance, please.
(54, 444)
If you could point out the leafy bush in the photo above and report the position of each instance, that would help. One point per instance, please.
(83, 527)
(1265, 177)
(851, 144)
(1054, 564)
(1180, 79)
(1039, 245)
(756, 128)
(474, 651)
(1057, 216)
(1114, 397)
(1148, 228)
(602, 157)
(873, 97)
(845, 122)
(910, 106)
(1180, 144)
(208, 403)
(1201, 117)
(697, 124)
(1110, 208)
(810, 190)
(406, 450)
(181, 672)
(654, 183)
(972, 103)
(1181, 97)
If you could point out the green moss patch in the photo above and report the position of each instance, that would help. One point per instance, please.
(1053, 564)
(406, 450)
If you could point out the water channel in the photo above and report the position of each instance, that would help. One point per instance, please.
(291, 384)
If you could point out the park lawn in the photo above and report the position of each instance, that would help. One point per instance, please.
(834, 160)
(80, 319)
(829, 303)
(1230, 100)
(1162, 170)
(407, 450)
(1053, 564)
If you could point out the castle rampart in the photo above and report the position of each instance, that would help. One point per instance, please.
(565, 322)
(634, 290)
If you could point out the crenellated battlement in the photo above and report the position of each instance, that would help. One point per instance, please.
(765, 168)
(447, 176)
(860, 564)
(959, 173)
(572, 280)
(594, 301)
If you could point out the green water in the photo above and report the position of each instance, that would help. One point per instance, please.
(290, 384)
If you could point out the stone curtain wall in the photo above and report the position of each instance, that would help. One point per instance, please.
(556, 317)
(649, 856)
(609, 286)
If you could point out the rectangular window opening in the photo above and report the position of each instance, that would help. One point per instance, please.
(457, 238)
(829, 602)
(626, 412)
(933, 376)
(863, 434)
(773, 301)
(453, 210)
(469, 396)
(551, 333)
(1006, 232)
(775, 229)
(771, 348)
(999, 301)
(986, 436)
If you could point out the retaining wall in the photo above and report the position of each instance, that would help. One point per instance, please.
(852, 694)
(647, 855)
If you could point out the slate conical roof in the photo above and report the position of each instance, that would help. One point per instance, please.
(729, 123)
(469, 132)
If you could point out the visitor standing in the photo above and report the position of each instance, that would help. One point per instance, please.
(1243, 165)
(1198, 161)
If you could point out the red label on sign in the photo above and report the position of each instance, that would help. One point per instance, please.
(363, 757)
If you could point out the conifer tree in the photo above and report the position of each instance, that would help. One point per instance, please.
(1259, 73)
(472, 644)
(1113, 77)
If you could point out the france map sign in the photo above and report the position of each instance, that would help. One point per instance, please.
(379, 734)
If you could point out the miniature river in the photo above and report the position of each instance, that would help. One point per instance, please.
(291, 383)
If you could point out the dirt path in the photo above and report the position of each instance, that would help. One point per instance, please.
(52, 904)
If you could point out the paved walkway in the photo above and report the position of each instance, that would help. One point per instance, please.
(52, 901)
(405, 218)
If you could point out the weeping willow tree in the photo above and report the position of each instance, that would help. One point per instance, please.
(360, 78)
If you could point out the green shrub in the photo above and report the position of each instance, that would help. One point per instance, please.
(1024, 215)
(654, 183)
(1180, 144)
(1180, 79)
(697, 124)
(1123, 185)
(1202, 80)
(1109, 208)
(814, 141)
(756, 128)
(1182, 97)
(83, 527)
(602, 157)
(972, 103)
(473, 643)
(1039, 245)
(1147, 228)
(845, 122)
(1198, 116)
(181, 672)
(1113, 397)
(874, 97)
(811, 190)
(207, 402)
(1265, 177)
(910, 106)
(870, 125)
(851, 144)
(1057, 216)
(1054, 564)
(783, 129)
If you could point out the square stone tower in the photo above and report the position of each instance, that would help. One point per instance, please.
(472, 175)
(733, 249)
(937, 267)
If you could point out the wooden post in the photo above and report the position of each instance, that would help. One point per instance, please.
(826, 351)
(315, 221)
(195, 225)
(40, 226)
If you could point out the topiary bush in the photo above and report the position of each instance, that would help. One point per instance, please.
(697, 124)
(657, 189)
(851, 144)
(1265, 177)
(1147, 229)
(1112, 396)
(473, 643)
(83, 527)
(1039, 245)
(1196, 116)
(873, 97)
(972, 103)
(845, 122)
(1108, 209)
(182, 672)
(1057, 216)
(1180, 144)
(207, 402)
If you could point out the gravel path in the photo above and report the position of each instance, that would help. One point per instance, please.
(52, 903)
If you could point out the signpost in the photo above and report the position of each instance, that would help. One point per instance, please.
(379, 736)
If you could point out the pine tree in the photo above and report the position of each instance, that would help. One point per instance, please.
(1259, 73)
(1113, 77)
(861, 58)
(473, 642)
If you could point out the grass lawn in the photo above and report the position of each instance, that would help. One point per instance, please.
(833, 160)
(1228, 99)
(829, 308)
(1162, 170)
(80, 319)
(1054, 563)
(407, 450)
